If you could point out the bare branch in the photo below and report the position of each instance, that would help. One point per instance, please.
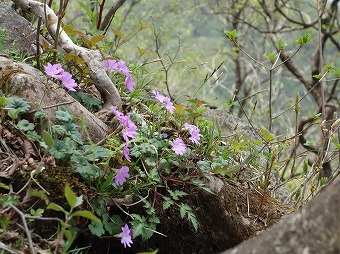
(110, 14)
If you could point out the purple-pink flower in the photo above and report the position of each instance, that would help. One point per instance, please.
(53, 70)
(129, 132)
(67, 81)
(126, 236)
(56, 71)
(194, 132)
(129, 128)
(121, 175)
(129, 83)
(112, 65)
(168, 105)
(164, 100)
(126, 153)
(178, 146)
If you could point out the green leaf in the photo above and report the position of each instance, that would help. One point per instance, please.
(88, 100)
(329, 67)
(47, 138)
(152, 252)
(204, 165)
(19, 104)
(318, 76)
(186, 210)
(86, 214)
(167, 203)
(4, 186)
(97, 152)
(38, 194)
(177, 194)
(113, 224)
(3, 102)
(41, 114)
(68, 234)
(63, 116)
(282, 44)
(72, 198)
(138, 228)
(316, 116)
(271, 57)
(192, 218)
(58, 130)
(55, 207)
(97, 228)
(25, 125)
(7, 200)
(39, 212)
(82, 166)
(86, 9)
(267, 135)
(59, 149)
(304, 39)
(231, 34)
(309, 143)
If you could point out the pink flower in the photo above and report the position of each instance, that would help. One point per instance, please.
(54, 70)
(129, 128)
(121, 175)
(129, 83)
(126, 236)
(111, 65)
(164, 100)
(129, 132)
(178, 146)
(126, 153)
(194, 132)
(158, 96)
(67, 81)
(168, 105)
(120, 66)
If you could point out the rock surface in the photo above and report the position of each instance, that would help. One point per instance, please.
(16, 33)
(313, 229)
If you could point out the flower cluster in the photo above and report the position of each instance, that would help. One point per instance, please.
(178, 145)
(164, 100)
(129, 128)
(56, 71)
(120, 66)
(126, 236)
(194, 133)
(129, 131)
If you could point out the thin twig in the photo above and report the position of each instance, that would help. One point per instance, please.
(27, 231)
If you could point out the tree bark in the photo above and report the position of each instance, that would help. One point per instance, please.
(314, 228)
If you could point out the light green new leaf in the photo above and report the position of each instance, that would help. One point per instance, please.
(86, 214)
(72, 198)
(55, 207)
(267, 135)
(47, 138)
